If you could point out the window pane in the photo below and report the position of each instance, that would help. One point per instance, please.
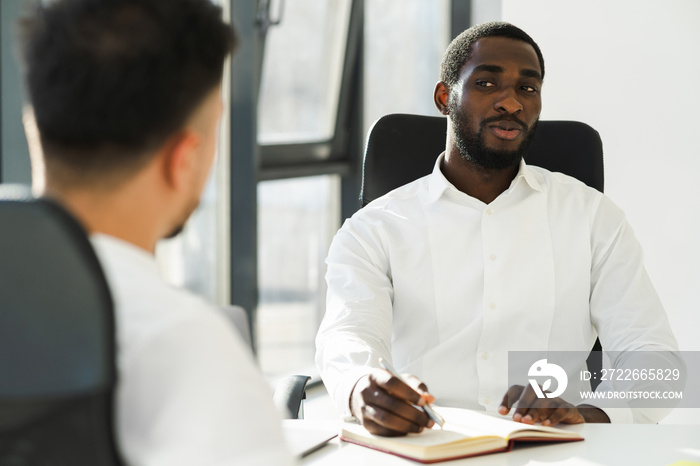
(296, 220)
(404, 44)
(301, 71)
(14, 154)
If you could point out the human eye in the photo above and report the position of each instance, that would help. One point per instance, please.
(529, 89)
(484, 83)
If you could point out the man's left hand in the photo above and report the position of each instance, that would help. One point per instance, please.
(548, 411)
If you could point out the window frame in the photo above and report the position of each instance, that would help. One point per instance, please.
(251, 162)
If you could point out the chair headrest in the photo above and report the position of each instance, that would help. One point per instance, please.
(403, 147)
(56, 324)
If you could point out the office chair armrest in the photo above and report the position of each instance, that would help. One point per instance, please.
(289, 394)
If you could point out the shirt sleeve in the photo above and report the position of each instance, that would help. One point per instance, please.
(192, 395)
(626, 310)
(357, 326)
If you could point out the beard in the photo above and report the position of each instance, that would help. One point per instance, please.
(175, 231)
(472, 146)
(179, 226)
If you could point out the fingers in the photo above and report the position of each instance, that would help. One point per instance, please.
(385, 405)
(551, 412)
(384, 422)
(564, 413)
(416, 384)
(527, 400)
(592, 414)
(530, 409)
(512, 395)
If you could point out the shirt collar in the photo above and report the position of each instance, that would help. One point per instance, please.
(438, 184)
(116, 249)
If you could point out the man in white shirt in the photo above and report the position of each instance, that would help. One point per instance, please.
(127, 100)
(446, 275)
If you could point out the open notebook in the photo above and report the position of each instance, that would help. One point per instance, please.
(465, 433)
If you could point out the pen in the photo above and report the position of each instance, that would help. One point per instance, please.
(437, 419)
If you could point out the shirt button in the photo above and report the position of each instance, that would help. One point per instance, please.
(489, 211)
(492, 257)
(487, 401)
(492, 306)
(484, 355)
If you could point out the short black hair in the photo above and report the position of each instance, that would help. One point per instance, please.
(110, 80)
(460, 49)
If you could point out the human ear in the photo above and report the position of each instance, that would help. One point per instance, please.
(441, 96)
(36, 154)
(179, 158)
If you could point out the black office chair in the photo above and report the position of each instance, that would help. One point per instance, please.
(57, 351)
(402, 148)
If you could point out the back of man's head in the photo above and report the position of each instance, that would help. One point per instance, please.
(111, 80)
(460, 49)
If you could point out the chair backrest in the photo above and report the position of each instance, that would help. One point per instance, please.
(402, 148)
(57, 356)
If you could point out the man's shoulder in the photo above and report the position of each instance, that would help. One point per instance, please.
(406, 197)
(568, 194)
(145, 305)
(558, 180)
(562, 186)
(152, 307)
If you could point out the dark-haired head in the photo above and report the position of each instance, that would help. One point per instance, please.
(111, 80)
(460, 49)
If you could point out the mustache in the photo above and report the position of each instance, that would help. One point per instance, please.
(513, 118)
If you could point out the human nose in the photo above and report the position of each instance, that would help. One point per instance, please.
(508, 102)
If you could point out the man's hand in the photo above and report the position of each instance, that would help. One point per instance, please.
(548, 411)
(385, 405)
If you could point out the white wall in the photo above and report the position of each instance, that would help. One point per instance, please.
(631, 69)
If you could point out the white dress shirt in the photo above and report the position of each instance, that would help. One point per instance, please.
(445, 285)
(188, 392)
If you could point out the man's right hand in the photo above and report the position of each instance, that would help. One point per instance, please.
(385, 404)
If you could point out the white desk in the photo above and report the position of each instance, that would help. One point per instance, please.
(604, 444)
